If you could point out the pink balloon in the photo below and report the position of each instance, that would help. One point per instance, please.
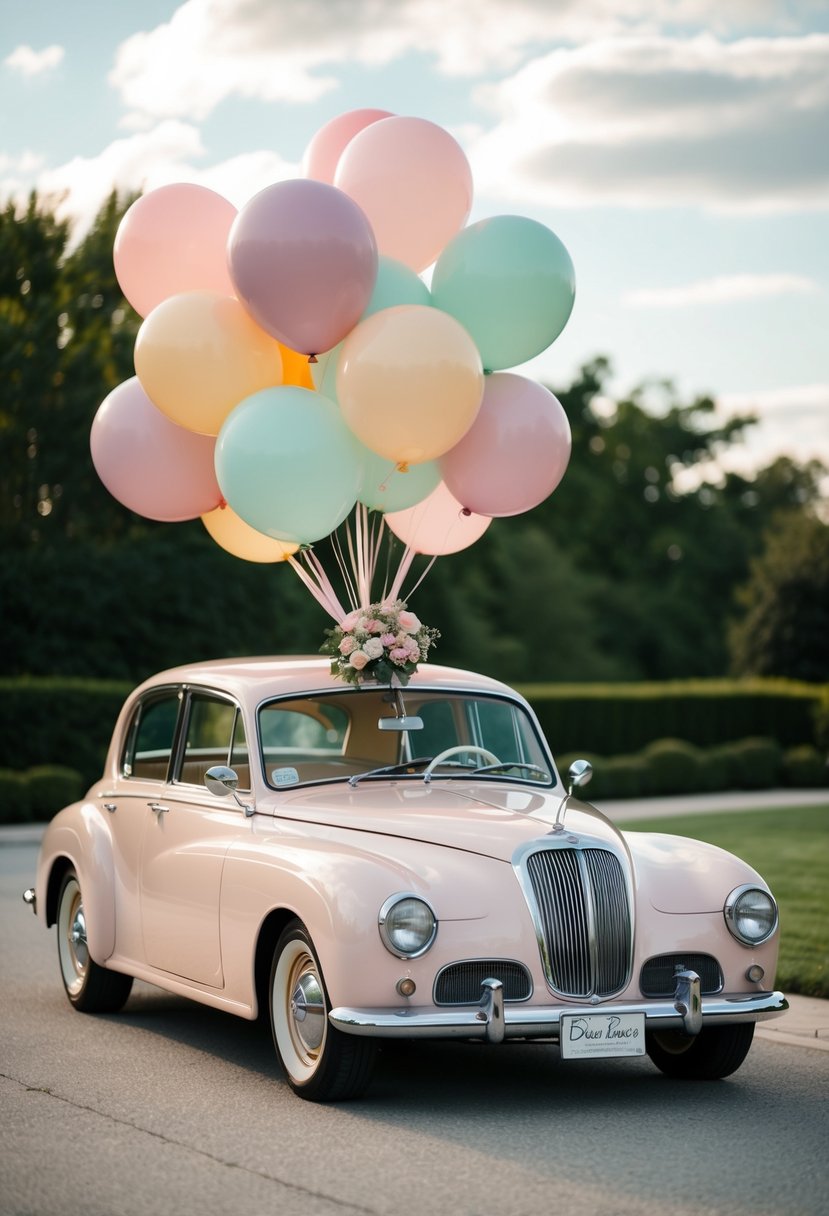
(152, 466)
(171, 240)
(326, 147)
(303, 260)
(516, 451)
(438, 525)
(414, 183)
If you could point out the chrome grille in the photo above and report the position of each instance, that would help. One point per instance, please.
(584, 919)
(460, 983)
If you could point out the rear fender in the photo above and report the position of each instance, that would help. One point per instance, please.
(78, 837)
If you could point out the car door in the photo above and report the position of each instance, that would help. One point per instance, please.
(186, 840)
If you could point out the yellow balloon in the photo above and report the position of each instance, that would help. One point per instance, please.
(240, 539)
(409, 382)
(295, 368)
(198, 354)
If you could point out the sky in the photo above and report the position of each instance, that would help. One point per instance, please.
(678, 148)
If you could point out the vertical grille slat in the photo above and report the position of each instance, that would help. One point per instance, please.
(584, 917)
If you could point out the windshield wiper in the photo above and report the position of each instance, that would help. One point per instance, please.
(404, 768)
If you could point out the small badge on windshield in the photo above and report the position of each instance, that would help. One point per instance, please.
(284, 776)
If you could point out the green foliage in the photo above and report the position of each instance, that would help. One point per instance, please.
(620, 719)
(784, 629)
(15, 804)
(758, 763)
(805, 768)
(50, 721)
(789, 846)
(51, 787)
(673, 764)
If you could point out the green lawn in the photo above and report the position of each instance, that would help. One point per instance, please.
(790, 848)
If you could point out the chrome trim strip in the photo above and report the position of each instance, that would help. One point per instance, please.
(519, 1022)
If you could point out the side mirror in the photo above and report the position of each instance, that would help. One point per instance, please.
(579, 773)
(221, 781)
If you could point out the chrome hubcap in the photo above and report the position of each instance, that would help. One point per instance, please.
(307, 1007)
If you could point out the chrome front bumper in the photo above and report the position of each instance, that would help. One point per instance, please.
(494, 1021)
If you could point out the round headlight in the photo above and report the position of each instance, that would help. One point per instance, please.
(407, 925)
(751, 915)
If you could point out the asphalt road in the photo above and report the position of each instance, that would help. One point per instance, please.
(170, 1107)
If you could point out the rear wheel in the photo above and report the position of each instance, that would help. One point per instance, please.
(717, 1051)
(320, 1062)
(90, 988)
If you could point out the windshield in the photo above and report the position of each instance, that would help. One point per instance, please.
(338, 735)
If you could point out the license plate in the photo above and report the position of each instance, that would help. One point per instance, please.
(588, 1035)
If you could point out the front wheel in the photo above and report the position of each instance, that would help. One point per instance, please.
(90, 988)
(717, 1051)
(320, 1062)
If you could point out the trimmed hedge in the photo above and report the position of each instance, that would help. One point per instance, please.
(60, 721)
(36, 795)
(620, 719)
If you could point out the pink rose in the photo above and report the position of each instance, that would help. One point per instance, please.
(399, 655)
(409, 622)
(347, 645)
(348, 622)
(388, 639)
(374, 626)
(358, 660)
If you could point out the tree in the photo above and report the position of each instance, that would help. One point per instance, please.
(784, 630)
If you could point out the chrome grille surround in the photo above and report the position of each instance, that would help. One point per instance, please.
(460, 983)
(580, 896)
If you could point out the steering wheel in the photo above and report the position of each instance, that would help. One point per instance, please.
(490, 757)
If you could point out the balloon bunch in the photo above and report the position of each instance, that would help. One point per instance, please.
(293, 363)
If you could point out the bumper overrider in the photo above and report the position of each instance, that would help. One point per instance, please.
(494, 1021)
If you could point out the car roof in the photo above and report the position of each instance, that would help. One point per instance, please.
(278, 675)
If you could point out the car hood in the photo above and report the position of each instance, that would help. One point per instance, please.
(489, 818)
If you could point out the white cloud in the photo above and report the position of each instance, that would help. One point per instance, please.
(149, 159)
(28, 62)
(793, 421)
(657, 121)
(723, 289)
(210, 50)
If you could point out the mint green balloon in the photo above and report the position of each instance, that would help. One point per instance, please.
(287, 463)
(396, 284)
(384, 486)
(511, 283)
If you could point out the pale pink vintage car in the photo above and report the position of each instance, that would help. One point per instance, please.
(366, 862)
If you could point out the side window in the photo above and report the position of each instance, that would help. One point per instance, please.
(215, 735)
(150, 738)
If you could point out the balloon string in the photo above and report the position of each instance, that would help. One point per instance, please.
(320, 587)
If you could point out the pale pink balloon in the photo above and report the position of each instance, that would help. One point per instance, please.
(516, 451)
(152, 466)
(173, 239)
(414, 183)
(326, 147)
(438, 525)
(303, 260)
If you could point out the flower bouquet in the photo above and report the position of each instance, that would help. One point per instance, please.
(381, 642)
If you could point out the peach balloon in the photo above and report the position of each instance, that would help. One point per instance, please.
(326, 147)
(240, 539)
(199, 354)
(295, 368)
(409, 382)
(153, 467)
(413, 181)
(171, 240)
(438, 525)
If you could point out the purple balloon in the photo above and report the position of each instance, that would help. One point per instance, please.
(303, 260)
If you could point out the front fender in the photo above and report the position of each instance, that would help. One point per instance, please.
(79, 836)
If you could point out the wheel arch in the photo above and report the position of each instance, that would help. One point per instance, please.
(269, 931)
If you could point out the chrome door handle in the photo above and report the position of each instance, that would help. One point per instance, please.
(157, 808)
(110, 806)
